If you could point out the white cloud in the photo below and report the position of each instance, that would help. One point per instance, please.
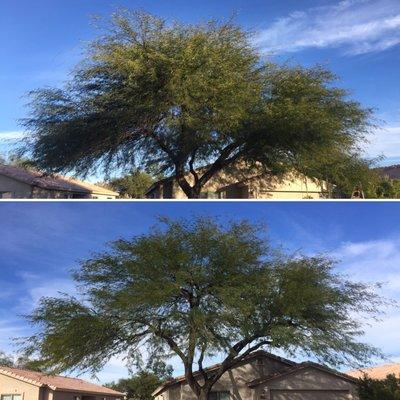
(12, 135)
(357, 26)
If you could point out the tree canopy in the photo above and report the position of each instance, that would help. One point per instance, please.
(141, 385)
(174, 97)
(133, 185)
(195, 288)
(384, 389)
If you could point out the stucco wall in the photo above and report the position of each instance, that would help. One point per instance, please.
(14, 386)
(235, 381)
(292, 186)
(308, 384)
(19, 190)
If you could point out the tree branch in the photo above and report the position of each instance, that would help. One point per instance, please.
(222, 161)
(192, 170)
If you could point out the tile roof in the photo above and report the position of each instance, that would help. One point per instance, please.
(378, 372)
(57, 383)
(54, 182)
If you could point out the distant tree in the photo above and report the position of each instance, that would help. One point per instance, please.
(20, 361)
(174, 97)
(133, 185)
(388, 189)
(142, 385)
(385, 389)
(6, 360)
(196, 288)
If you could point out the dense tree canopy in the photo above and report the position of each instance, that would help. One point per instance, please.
(195, 288)
(385, 389)
(174, 97)
(133, 185)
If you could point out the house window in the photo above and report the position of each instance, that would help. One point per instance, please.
(208, 195)
(220, 395)
(11, 397)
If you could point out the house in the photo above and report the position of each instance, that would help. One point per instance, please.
(264, 376)
(21, 183)
(20, 384)
(239, 184)
(378, 372)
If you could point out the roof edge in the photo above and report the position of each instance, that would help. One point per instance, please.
(21, 378)
(300, 367)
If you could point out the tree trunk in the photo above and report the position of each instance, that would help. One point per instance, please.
(203, 395)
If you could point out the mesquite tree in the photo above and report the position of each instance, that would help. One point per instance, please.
(174, 98)
(197, 288)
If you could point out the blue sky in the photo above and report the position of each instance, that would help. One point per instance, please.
(42, 40)
(42, 241)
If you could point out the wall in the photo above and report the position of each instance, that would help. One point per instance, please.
(234, 381)
(10, 385)
(307, 384)
(240, 185)
(19, 190)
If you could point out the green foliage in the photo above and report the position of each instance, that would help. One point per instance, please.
(347, 172)
(373, 389)
(195, 288)
(132, 186)
(142, 385)
(388, 189)
(174, 97)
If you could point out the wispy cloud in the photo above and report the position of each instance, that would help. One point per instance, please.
(356, 26)
(377, 261)
(385, 141)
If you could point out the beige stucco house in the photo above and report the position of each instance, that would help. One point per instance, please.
(20, 183)
(264, 376)
(237, 183)
(19, 384)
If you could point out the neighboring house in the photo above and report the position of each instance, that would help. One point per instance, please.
(237, 184)
(19, 384)
(264, 376)
(20, 183)
(378, 372)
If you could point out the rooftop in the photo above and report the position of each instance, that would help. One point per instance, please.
(53, 182)
(56, 382)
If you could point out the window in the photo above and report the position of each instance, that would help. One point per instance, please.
(11, 397)
(220, 395)
(208, 195)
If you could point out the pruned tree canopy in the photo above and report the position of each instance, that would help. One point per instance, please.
(196, 288)
(174, 97)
